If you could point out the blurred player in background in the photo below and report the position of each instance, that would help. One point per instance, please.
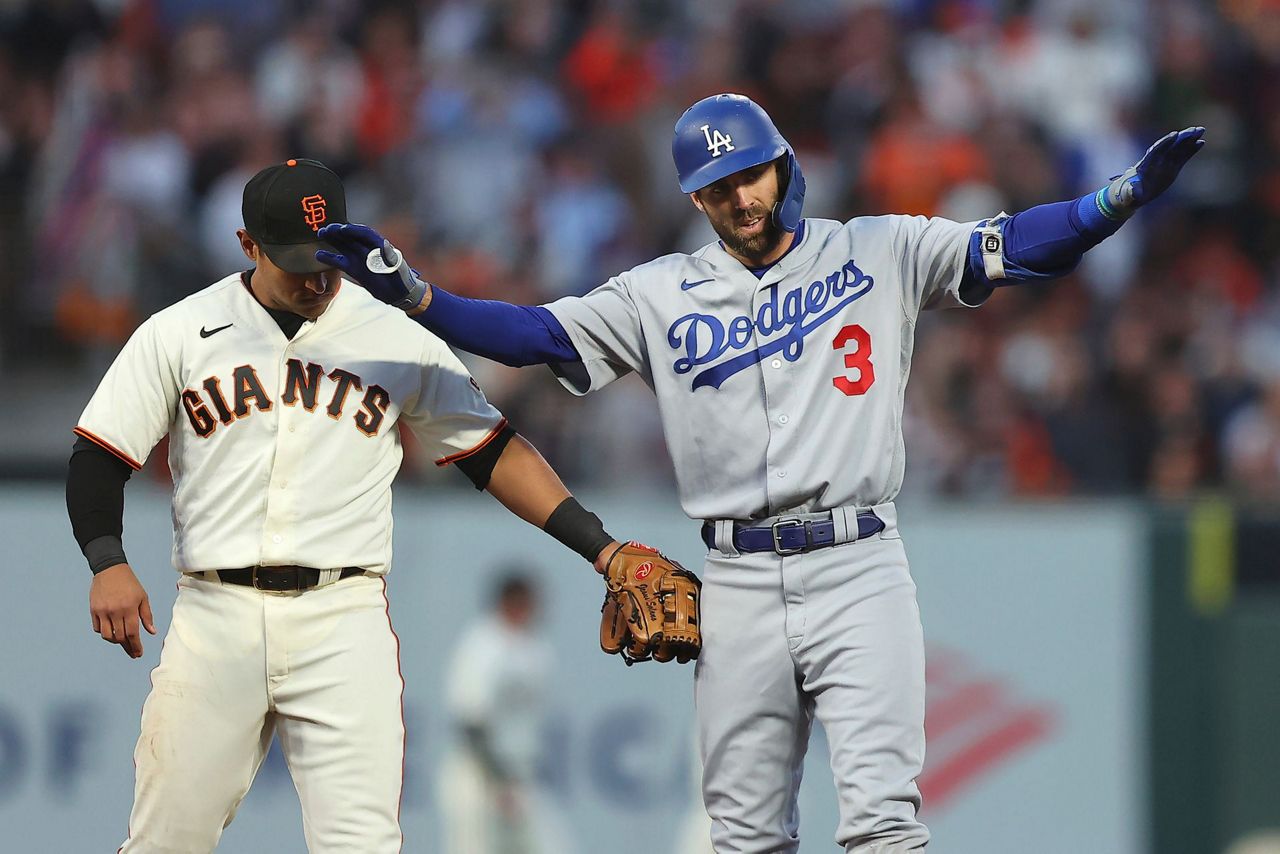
(490, 798)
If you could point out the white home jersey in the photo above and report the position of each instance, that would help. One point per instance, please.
(782, 393)
(498, 680)
(283, 451)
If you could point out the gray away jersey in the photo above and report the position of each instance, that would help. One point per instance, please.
(782, 393)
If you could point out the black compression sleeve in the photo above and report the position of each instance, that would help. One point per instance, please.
(479, 466)
(95, 502)
(578, 528)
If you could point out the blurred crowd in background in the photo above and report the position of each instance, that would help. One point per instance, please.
(520, 149)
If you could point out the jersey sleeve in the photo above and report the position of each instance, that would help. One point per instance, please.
(932, 255)
(450, 416)
(605, 329)
(134, 404)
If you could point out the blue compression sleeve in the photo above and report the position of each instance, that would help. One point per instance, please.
(515, 335)
(1046, 241)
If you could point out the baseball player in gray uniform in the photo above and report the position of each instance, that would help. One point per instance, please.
(281, 390)
(779, 356)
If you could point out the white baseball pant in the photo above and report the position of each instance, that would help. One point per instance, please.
(320, 669)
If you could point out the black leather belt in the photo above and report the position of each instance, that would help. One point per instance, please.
(790, 536)
(280, 578)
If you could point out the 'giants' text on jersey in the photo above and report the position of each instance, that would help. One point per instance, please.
(208, 407)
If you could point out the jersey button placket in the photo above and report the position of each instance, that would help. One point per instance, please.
(776, 387)
(279, 499)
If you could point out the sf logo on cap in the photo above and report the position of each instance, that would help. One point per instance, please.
(716, 140)
(313, 210)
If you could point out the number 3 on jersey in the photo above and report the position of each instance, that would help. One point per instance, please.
(859, 359)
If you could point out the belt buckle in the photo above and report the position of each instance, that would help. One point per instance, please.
(281, 586)
(777, 527)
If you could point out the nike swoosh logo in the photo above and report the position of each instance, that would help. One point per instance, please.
(205, 333)
(685, 285)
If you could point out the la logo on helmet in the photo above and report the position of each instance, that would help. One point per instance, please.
(716, 140)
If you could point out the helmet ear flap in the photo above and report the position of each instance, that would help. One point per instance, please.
(786, 213)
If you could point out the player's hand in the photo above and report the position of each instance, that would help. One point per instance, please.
(1153, 174)
(602, 560)
(370, 259)
(117, 603)
(510, 804)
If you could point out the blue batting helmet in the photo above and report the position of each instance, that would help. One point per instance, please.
(724, 134)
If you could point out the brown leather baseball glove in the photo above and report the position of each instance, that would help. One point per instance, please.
(650, 607)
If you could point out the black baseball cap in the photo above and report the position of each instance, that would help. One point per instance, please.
(286, 204)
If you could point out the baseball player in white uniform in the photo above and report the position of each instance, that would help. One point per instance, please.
(281, 390)
(779, 356)
(491, 800)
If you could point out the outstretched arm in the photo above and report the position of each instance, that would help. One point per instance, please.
(515, 335)
(1047, 241)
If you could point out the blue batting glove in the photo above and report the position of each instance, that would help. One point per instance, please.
(1151, 175)
(370, 259)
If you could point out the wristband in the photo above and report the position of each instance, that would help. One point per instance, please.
(578, 528)
(415, 289)
(991, 245)
(103, 552)
(1104, 207)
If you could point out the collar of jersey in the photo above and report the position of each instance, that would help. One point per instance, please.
(759, 272)
(787, 260)
(262, 316)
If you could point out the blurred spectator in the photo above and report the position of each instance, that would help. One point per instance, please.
(578, 216)
(1078, 76)
(893, 177)
(611, 69)
(309, 71)
(1252, 445)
